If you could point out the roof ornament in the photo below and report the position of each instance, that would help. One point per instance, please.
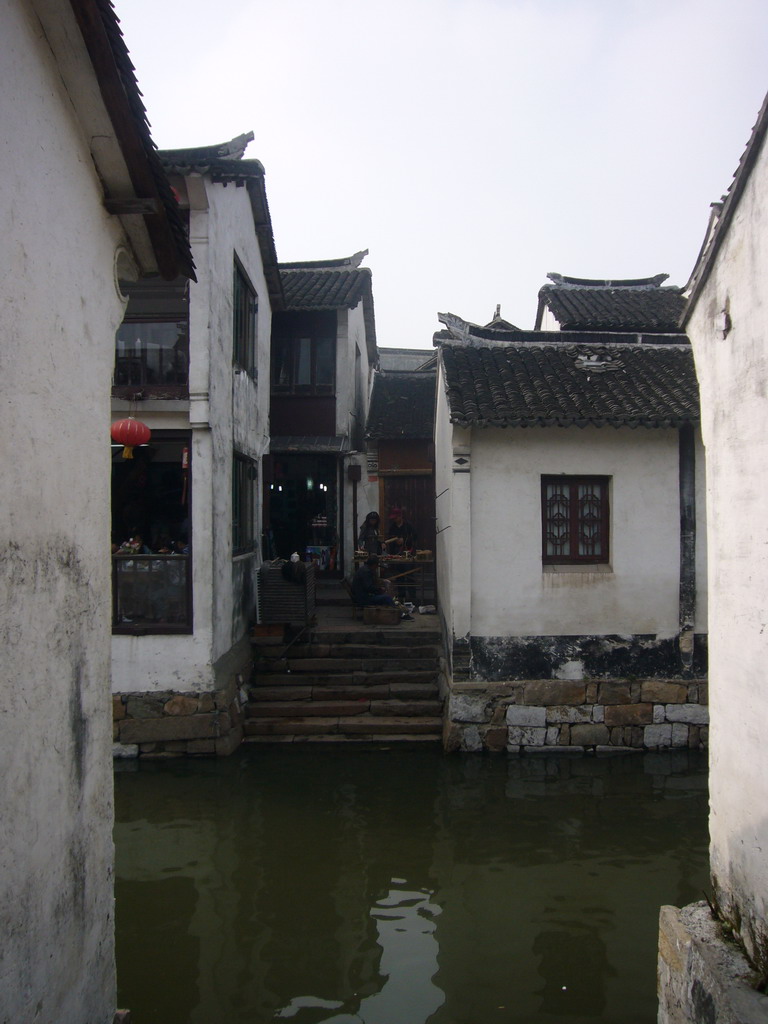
(459, 328)
(235, 148)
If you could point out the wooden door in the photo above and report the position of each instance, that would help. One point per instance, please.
(415, 495)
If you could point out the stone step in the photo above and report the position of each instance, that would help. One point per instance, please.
(393, 638)
(367, 651)
(362, 679)
(361, 741)
(338, 708)
(307, 709)
(364, 724)
(341, 666)
(329, 691)
(335, 600)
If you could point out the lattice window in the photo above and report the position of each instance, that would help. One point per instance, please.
(575, 522)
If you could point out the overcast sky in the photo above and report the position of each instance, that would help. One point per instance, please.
(471, 145)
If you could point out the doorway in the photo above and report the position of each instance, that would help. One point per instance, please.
(301, 510)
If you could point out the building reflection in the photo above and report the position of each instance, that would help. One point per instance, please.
(400, 888)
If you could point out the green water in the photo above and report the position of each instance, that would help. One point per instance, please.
(400, 887)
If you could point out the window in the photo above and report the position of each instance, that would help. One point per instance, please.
(244, 477)
(575, 524)
(152, 343)
(304, 354)
(151, 542)
(244, 307)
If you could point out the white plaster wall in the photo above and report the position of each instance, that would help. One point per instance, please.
(443, 503)
(548, 321)
(350, 338)
(239, 405)
(512, 595)
(59, 310)
(349, 335)
(733, 377)
(228, 410)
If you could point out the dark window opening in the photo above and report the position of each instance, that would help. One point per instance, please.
(304, 355)
(244, 482)
(244, 309)
(575, 520)
(152, 343)
(151, 560)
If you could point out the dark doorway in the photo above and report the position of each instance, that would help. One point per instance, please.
(301, 509)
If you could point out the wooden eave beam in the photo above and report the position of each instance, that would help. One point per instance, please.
(132, 144)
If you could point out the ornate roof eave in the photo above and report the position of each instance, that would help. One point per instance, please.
(153, 200)
(722, 214)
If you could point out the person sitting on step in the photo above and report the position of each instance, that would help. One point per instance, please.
(367, 587)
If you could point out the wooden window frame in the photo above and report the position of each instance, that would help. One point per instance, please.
(245, 309)
(575, 521)
(145, 628)
(245, 475)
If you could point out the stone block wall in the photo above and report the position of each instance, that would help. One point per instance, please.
(571, 716)
(167, 724)
(703, 975)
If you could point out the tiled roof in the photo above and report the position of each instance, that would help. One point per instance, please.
(722, 213)
(223, 163)
(591, 305)
(566, 384)
(332, 284)
(402, 405)
(193, 158)
(116, 76)
(326, 288)
(403, 359)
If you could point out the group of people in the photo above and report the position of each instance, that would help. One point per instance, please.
(135, 545)
(367, 586)
(400, 540)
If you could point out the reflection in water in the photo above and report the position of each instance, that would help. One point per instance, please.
(401, 887)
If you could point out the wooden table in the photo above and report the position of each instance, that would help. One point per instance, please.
(412, 578)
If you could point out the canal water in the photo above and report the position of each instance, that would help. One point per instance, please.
(401, 886)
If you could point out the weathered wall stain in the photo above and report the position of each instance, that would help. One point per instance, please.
(600, 657)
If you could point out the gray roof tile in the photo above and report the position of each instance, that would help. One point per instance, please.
(402, 405)
(571, 384)
(637, 305)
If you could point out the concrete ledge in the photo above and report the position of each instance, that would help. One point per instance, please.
(703, 978)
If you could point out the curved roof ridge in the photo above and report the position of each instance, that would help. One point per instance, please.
(587, 282)
(231, 150)
(353, 261)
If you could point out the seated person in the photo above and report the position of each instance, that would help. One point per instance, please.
(367, 588)
(402, 536)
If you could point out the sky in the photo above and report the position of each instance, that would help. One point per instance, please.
(472, 146)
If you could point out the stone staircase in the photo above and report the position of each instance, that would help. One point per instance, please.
(361, 685)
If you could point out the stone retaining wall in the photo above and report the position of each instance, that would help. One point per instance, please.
(167, 724)
(703, 976)
(568, 716)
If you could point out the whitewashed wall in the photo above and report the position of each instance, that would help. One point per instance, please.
(513, 594)
(353, 394)
(733, 377)
(59, 309)
(491, 580)
(228, 411)
(445, 497)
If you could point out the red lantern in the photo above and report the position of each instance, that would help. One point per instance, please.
(130, 433)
